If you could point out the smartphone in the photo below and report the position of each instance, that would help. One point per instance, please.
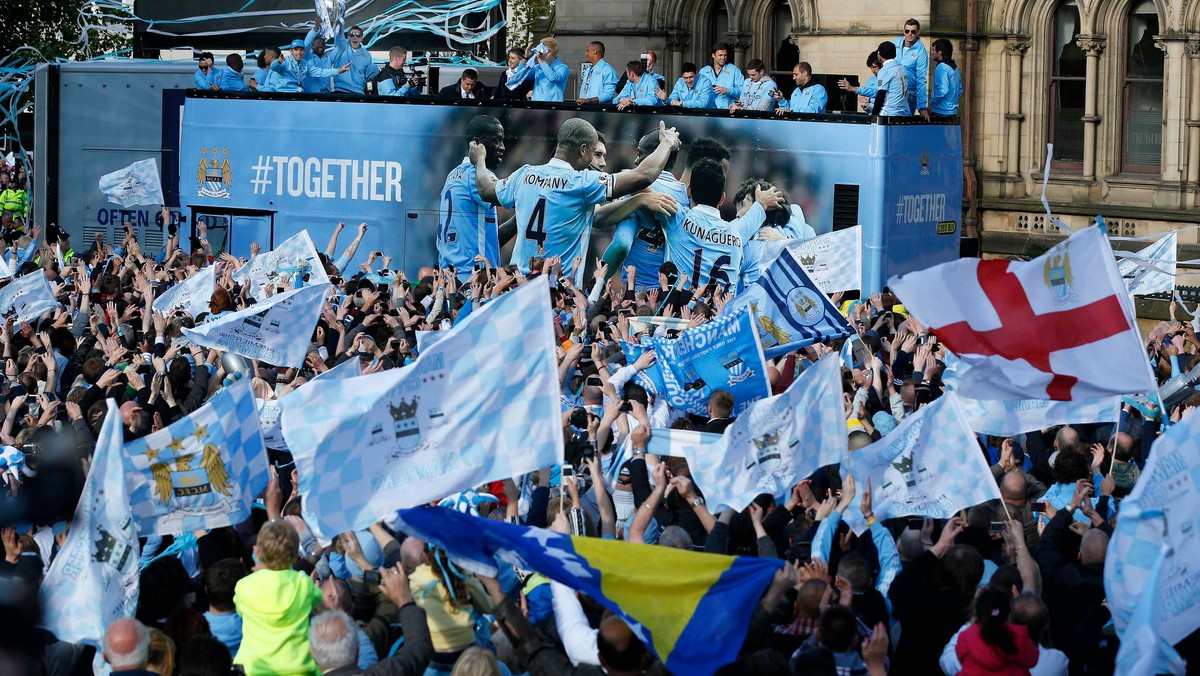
(915, 522)
(593, 381)
(998, 527)
(1039, 507)
(567, 470)
(50, 396)
(377, 254)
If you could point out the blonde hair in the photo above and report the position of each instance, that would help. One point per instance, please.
(551, 45)
(476, 661)
(278, 545)
(162, 654)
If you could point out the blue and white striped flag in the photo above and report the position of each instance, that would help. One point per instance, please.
(203, 471)
(94, 579)
(27, 297)
(295, 259)
(136, 184)
(930, 465)
(192, 294)
(723, 354)
(1138, 270)
(790, 312)
(1162, 513)
(651, 378)
(1004, 418)
(480, 404)
(277, 331)
(774, 443)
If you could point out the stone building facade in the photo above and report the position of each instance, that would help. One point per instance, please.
(1113, 84)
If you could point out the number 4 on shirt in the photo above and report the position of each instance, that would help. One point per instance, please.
(535, 229)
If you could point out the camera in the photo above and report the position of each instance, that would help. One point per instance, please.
(418, 79)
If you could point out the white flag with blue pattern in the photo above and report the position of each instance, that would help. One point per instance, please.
(136, 184)
(790, 312)
(203, 471)
(1016, 416)
(776, 442)
(269, 410)
(191, 295)
(277, 332)
(930, 465)
(480, 404)
(94, 579)
(723, 354)
(1138, 270)
(26, 298)
(1163, 511)
(295, 261)
(1143, 650)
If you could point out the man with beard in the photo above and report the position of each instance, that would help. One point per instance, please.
(317, 59)
(466, 223)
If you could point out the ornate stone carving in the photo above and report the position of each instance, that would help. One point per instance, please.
(739, 41)
(1092, 45)
(1016, 45)
(678, 40)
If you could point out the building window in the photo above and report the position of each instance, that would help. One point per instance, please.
(787, 55)
(718, 23)
(1068, 69)
(1143, 92)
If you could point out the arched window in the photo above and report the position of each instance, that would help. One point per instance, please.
(787, 55)
(1142, 113)
(718, 25)
(1068, 67)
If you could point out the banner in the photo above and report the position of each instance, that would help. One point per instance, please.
(694, 620)
(1016, 416)
(789, 310)
(94, 579)
(1142, 280)
(723, 354)
(650, 378)
(269, 410)
(930, 465)
(479, 405)
(294, 260)
(277, 332)
(1160, 514)
(203, 471)
(191, 295)
(26, 298)
(834, 260)
(136, 184)
(774, 443)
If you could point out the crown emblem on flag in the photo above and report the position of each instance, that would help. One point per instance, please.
(406, 426)
(808, 260)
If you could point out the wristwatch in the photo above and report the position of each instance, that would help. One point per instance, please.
(697, 501)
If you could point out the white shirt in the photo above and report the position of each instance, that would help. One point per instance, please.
(578, 637)
(466, 94)
(1050, 662)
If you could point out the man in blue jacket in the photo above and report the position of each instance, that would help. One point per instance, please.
(911, 54)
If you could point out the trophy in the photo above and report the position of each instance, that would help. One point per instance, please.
(332, 14)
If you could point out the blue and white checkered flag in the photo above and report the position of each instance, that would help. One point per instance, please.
(1138, 270)
(723, 354)
(136, 184)
(192, 294)
(270, 410)
(931, 465)
(295, 259)
(775, 442)
(790, 312)
(276, 332)
(1143, 650)
(478, 405)
(94, 579)
(1162, 512)
(27, 297)
(203, 471)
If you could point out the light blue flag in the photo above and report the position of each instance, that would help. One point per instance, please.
(651, 378)
(277, 332)
(293, 263)
(789, 310)
(203, 471)
(191, 295)
(1143, 650)
(723, 354)
(930, 465)
(136, 184)
(775, 443)
(26, 298)
(479, 405)
(1016, 416)
(269, 410)
(1157, 527)
(94, 579)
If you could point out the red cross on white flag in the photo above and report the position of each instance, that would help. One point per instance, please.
(1057, 327)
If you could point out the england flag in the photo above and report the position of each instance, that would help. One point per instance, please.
(1057, 327)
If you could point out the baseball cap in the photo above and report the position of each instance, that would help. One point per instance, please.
(296, 43)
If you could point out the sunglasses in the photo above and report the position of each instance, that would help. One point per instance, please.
(359, 35)
(910, 31)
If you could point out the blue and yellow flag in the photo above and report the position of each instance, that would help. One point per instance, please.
(692, 609)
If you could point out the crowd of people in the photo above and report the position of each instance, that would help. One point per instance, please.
(898, 86)
(1013, 587)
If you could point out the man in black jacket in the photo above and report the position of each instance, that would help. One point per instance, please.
(468, 87)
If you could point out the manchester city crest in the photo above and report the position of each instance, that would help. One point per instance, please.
(1057, 275)
(214, 173)
(807, 305)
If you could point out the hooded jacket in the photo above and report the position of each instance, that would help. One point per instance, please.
(275, 606)
(980, 657)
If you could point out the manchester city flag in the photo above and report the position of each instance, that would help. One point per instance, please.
(790, 312)
(691, 609)
(276, 331)
(136, 184)
(203, 471)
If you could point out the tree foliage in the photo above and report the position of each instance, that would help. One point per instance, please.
(55, 29)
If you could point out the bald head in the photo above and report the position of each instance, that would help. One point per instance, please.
(910, 545)
(1067, 439)
(412, 554)
(127, 645)
(1014, 488)
(618, 649)
(1123, 446)
(1093, 546)
(808, 599)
